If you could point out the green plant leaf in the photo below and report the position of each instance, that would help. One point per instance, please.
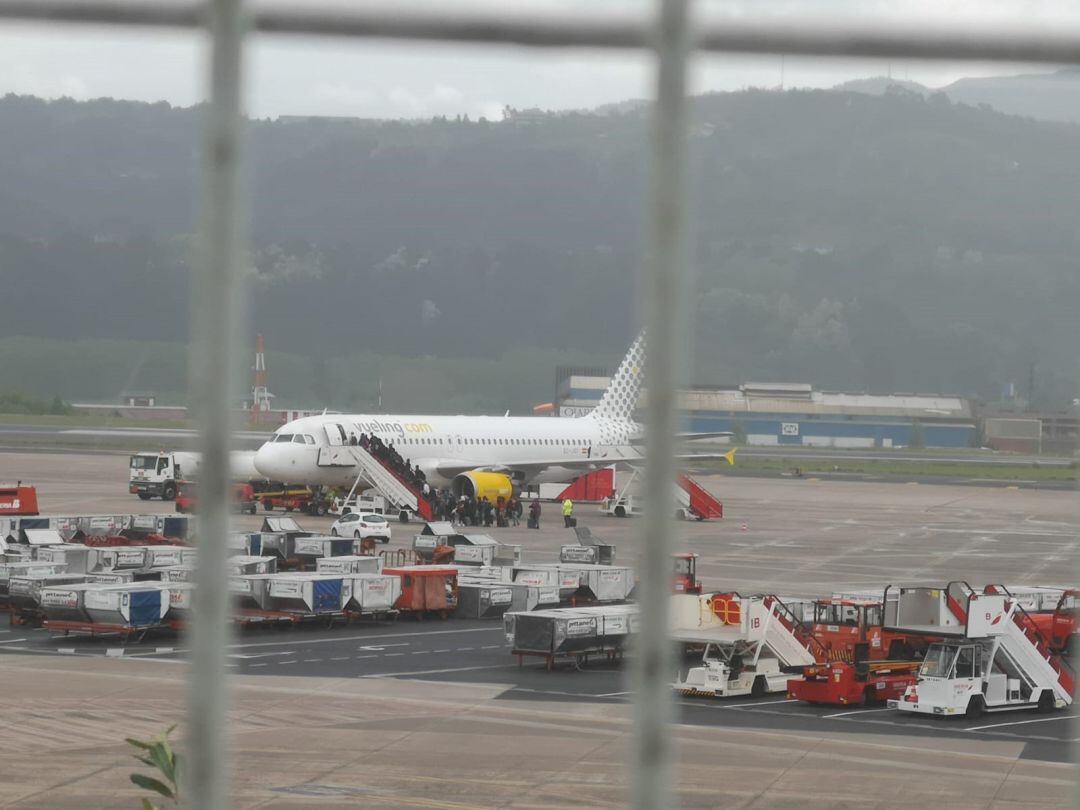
(138, 743)
(146, 761)
(147, 805)
(149, 783)
(162, 757)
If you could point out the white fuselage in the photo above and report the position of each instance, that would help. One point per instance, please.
(532, 446)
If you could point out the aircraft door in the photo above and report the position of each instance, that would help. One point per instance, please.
(335, 435)
(456, 445)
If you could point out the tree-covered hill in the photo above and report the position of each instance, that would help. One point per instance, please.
(893, 242)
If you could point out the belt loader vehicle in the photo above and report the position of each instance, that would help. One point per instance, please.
(864, 663)
(992, 657)
(752, 644)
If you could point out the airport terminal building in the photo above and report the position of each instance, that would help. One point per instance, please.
(794, 413)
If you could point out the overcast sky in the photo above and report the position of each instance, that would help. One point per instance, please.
(379, 80)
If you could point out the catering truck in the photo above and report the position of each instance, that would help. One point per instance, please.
(155, 475)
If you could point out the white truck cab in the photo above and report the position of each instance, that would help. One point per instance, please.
(154, 475)
(969, 677)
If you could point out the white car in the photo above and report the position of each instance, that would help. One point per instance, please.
(360, 525)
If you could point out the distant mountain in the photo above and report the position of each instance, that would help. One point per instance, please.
(879, 85)
(1049, 96)
(894, 242)
(1045, 96)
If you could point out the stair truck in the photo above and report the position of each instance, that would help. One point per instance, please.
(399, 496)
(693, 501)
(992, 656)
(752, 644)
(1056, 612)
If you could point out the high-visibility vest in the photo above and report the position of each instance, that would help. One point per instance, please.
(567, 507)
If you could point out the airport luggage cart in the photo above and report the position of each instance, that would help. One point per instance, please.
(94, 629)
(247, 617)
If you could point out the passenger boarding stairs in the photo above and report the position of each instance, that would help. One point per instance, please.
(697, 500)
(692, 499)
(961, 611)
(1024, 642)
(398, 493)
(792, 642)
(753, 625)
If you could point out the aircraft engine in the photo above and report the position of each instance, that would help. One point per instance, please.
(476, 484)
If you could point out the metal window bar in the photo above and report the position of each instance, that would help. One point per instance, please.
(672, 40)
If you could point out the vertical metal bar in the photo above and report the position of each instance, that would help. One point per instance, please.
(206, 782)
(664, 277)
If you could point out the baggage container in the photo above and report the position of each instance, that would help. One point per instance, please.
(571, 631)
(75, 557)
(111, 577)
(568, 580)
(66, 602)
(178, 573)
(24, 569)
(163, 556)
(533, 597)
(349, 564)
(483, 601)
(189, 556)
(308, 593)
(373, 593)
(270, 544)
(251, 592)
(245, 564)
(597, 554)
(135, 605)
(507, 554)
(40, 537)
(313, 547)
(23, 590)
(118, 558)
(426, 587)
(180, 597)
(606, 583)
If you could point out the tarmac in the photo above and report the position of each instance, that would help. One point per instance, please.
(439, 714)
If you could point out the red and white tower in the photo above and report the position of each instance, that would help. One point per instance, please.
(260, 394)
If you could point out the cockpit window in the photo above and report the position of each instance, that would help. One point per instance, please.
(282, 438)
(309, 439)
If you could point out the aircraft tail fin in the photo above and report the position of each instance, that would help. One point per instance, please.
(621, 396)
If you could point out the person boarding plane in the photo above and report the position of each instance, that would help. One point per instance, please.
(473, 455)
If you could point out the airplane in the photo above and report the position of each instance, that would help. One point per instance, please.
(475, 455)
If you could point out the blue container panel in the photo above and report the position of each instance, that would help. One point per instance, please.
(146, 608)
(327, 595)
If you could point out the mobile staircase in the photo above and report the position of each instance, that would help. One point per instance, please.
(692, 500)
(752, 644)
(992, 656)
(401, 495)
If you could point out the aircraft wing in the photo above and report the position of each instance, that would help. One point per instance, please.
(689, 437)
(585, 464)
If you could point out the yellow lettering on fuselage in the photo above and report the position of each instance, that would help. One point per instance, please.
(418, 427)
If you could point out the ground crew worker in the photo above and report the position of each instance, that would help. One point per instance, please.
(568, 512)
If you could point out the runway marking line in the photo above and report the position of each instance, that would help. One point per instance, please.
(1024, 722)
(437, 671)
(856, 711)
(372, 639)
(12, 640)
(741, 705)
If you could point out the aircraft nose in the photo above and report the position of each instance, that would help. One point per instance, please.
(267, 460)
